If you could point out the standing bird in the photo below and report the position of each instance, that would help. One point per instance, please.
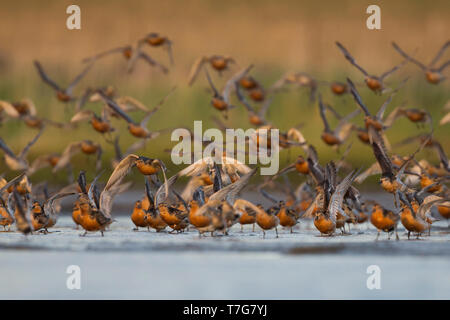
(384, 220)
(325, 219)
(97, 215)
(374, 83)
(433, 74)
(45, 216)
(63, 95)
(266, 220)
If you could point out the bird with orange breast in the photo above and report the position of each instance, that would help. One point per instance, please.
(288, 217)
(266, 220)
(101, 124)
(418, 116)
(152, 217)
(217, 62)
(44, 216)
(201, 221)
(221, 100)
(432, 74)
(175, 218)
(138, 216)
(154, 39)
(331, 215)
(375, 83)
(410, 219)
(96, 207)
(256, 118)
(6, 219)
(146, 166)
(384, 220)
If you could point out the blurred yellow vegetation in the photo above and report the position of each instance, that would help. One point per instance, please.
(276, 36)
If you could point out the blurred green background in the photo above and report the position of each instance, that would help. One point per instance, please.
(276, 36)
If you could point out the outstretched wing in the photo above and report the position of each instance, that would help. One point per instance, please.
(156, 108)
(121, 171)
(391, 71)
(71, 150)
(45, 78)
(357, 97)
(373, 169)
(78, 78)
(322, 114)
(196, 69)
(153, 62)
(349, 57)
(394, 115)
(25, 150)
(230, 192)
(380, 153)
(9, 109)
(115, 107)
(439, 54)
(48, 204)
(337, 198)
(130, 104)
(83, 115)
(230, 85)
(406, 56)
(105, 53)
(442, 156)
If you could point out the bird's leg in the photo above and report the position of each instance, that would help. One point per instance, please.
(135, 229)
(253, 229)
(291, 230)
(276, 231)
(264, 234)
(378, 234)
(242, 228)
(409, 233)
(102, 233)
(83, 234)
(396, 235)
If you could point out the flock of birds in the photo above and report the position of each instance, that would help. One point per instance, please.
(211, 202)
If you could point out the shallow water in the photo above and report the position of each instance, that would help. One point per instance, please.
(302, 265)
